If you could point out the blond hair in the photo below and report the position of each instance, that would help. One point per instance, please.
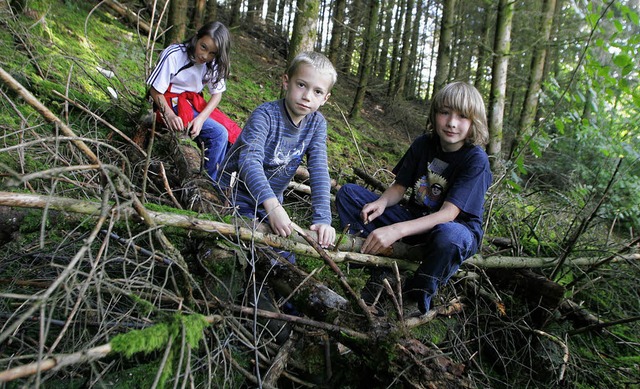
(465, 99)
(319, 62)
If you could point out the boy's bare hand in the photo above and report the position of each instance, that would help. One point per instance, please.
(326, 234)
(380, 239)
(372, 210)
(278, 218)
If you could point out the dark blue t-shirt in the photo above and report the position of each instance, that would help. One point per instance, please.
(461, 177)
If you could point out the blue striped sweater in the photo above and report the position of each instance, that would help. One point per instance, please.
(267, 154)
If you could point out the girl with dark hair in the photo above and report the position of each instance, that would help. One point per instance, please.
(176, 85)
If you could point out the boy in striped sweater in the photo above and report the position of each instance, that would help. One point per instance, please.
(276, 137)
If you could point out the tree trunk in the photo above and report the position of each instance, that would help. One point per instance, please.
(339, 8)
(211, 11)
(235, 19)
(303, 37)
(199, 13)
(364, 71)
(355, 16)
(444, 46)
(383, 61)
(272, 14)
(501, 48)
(254, 9)
(530, 105)
(177, 21)
(416, 65)
(394, 65)
(479, 81)
(403, 68)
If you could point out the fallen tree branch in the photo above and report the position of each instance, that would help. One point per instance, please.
(25, 200)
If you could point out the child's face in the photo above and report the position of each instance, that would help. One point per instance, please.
(307, 90)
(206, 50)
(452, 127)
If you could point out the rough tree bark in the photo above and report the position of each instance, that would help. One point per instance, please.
(501, 48)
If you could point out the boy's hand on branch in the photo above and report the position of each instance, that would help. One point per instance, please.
(326, 234)
(278, 218)
(380, 239)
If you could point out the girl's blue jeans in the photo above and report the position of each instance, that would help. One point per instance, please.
(214, 138)
(443, 249)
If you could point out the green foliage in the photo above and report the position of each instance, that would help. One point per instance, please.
(157, 337)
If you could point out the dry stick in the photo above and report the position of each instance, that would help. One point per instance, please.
(137, 205)
(454, 306)
(604, 325)
(217, 303)
(101, 120)
(141, 250)
(167, 187)
(279, 362)
(355, 142)
(247, 374)
(610, 258)
(391, 293)
(343, 279)
(147, 161)
(25, 200)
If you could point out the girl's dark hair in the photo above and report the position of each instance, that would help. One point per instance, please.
(221, 36)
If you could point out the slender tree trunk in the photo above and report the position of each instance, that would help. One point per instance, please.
(235, 19)
(530, 105)
(479, 81)
(339, 8)
(212, 11)
(383, 61)
(197, 19)
(177, 21)
(501, 48)
(394, 65)
(305, 30)
(254, 8)
(444, 46)
(364, 71)
(404, 54)
(414, 72)
(355, 17)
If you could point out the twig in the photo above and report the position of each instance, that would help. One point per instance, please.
(101, 120)
(332, 328)
(604, 325)
(454, 306)
(355, 142)
(167, 187)
(559, 342)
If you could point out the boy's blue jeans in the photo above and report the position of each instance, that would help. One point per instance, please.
(444, 248)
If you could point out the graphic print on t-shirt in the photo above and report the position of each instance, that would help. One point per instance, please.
(430, 189)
